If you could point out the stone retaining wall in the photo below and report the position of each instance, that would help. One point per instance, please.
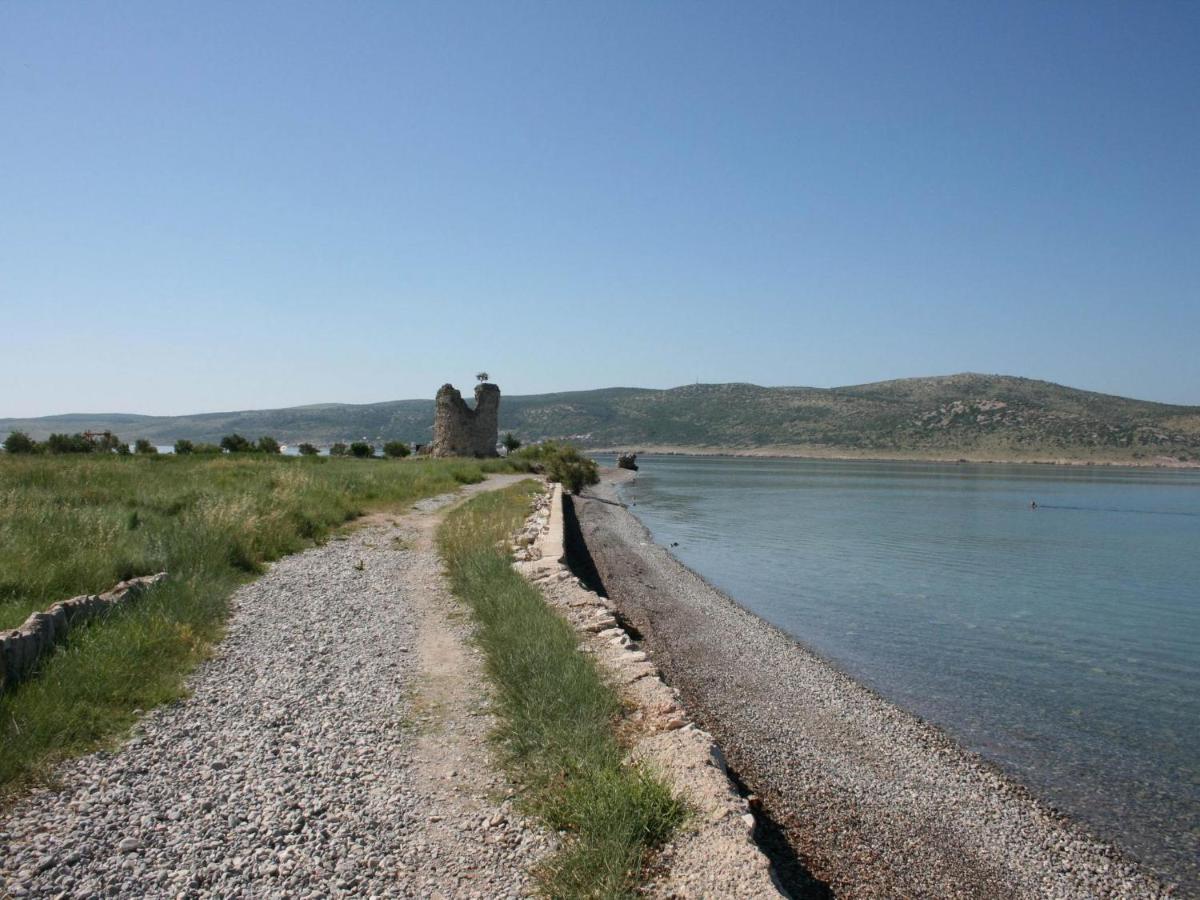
(714, 855)
(21, 648)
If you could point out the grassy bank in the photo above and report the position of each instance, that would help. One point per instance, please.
(556, 713)
(71, 525)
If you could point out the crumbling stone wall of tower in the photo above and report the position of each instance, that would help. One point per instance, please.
(459, 430)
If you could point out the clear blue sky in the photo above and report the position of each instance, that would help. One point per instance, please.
(235, 205)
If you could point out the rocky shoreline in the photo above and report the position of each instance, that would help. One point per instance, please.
(873, 801)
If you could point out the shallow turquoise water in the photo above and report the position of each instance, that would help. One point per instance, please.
(1061, 643)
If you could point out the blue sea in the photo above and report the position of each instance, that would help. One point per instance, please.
(1062, 642)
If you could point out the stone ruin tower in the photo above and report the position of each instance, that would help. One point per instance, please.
(459, 430)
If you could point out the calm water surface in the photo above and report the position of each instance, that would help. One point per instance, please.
(1061, 643)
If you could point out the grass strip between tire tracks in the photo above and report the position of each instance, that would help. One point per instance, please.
(556, 712)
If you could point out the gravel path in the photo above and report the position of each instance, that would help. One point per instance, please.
(335, 745)
(875, 802)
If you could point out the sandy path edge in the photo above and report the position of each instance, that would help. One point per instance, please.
(876, 802)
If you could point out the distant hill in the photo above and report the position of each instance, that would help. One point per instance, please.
(967, 416)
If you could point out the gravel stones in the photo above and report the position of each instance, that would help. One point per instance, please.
(304, 763)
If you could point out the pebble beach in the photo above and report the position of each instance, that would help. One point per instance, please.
(873, 801)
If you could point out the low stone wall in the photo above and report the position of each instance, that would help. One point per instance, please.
(714, 855)
(21, 648)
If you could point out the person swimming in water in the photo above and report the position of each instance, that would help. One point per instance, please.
(1033, 504)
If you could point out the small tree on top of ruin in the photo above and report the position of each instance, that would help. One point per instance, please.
(481, 377)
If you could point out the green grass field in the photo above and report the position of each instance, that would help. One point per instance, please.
(557, 714)
(78, 524)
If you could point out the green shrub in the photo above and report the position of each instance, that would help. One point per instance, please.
(562, 463)
(511, 444)
(69, 443)
(307, 449)
(396, 449)
(573, 470)
(361, 449)
(268, 444)
(182, 447)
(123, 449)
(339, 449)
(144, 447)
(19, 442)
(235, 443)
(206, 448)
(538, 453)
(107, 442)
